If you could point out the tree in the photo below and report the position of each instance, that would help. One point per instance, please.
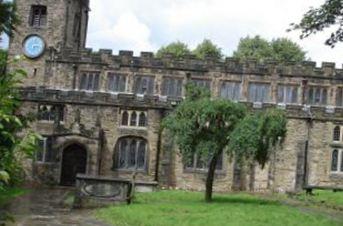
(207, 49)
(281, 50)
(205, 126)
(318, 19)
(8, 17)
(176, 49)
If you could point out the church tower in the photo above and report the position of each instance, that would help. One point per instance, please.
(46, 27)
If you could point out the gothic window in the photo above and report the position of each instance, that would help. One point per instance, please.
(44, 152)
(259, 92)
(116, 82)
(133, 120)
(317, 95)
(337, 133)
(89, 81)
(131, 153)
(339, 97)
(334, 160)
(142, 119)
(196, 162)
(125, 118)
(172, 87)
(38, 16)
(144, 85)
(202, 83)
(230, 90)
(287, 94)
(50, 112)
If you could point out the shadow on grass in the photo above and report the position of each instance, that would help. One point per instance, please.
(245, 200)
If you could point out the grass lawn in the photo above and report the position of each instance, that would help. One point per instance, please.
(333, 199)
(10, 193)
(188, 208)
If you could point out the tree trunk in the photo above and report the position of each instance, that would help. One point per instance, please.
(210, 176)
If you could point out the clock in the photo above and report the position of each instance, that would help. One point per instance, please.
(33, 46)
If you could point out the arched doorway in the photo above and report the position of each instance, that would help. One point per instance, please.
(74, 161)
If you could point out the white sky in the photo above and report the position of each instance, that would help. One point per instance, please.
(145, 25)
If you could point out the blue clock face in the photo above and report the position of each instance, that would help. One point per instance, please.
(34, 46)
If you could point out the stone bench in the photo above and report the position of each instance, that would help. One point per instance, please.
(98, 191)
(310, 188)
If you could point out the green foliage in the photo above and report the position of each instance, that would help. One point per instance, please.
(169, 208)
(254, 136)
(318, 19)
(15, 144)
(8, 17)
(175, 49)
(281, 50)
(207, 49)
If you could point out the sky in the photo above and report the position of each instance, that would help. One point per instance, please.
(146, 25)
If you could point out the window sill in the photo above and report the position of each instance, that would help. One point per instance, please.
(144, 171)
(200, 171)
(133, 127)
(336, 175)
(337, 144)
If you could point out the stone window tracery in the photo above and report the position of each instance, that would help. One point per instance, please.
(339, 97)
(38, 16)
(317, 95)
(259, 92)
(172, 87)
(144, 85)
(116, 82)
(337, 133)
(287, 94)
(51, 113)
(337, 161)
(89, 81)
(231, 90)
(134, 118)
(131, 154)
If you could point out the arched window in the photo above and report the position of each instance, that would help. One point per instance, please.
(334, 160)
(125, 118)
(142, 119)
(131, 153)
(337, 133)
(133, 121)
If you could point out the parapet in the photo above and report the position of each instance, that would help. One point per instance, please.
(191, 63)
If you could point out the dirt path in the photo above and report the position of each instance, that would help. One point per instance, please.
(43, 207)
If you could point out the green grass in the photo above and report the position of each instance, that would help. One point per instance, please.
(10, 193)
(188, 208)
(334, 199)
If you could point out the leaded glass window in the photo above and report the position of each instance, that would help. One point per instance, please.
(131, 153)
(287, 94)
(202, 83)
(38, 16)
(144, 85)
(259, 92)
(197, 162)
(337, 133)
(231, 90)
(339, 97)
(45, 152)
(317, 95)
(48, 112)
(116, 82)
(142, 119)
(172, 87)
(334, 160)
(133, 120)
(89, 81)
(125, 118)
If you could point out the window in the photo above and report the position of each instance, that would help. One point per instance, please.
(45, 151)
(172, 87)
(89, 81)
(317, 95)
(337, 133)
(337, 161)
(38, 16)
(136, 118)
(198, 163)
(339, 97)
(259, 92)
(230, 90)
(131, 153)
(202, 83)
(287, 94)
(144, 85)
(116, 82)
(50, 113)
